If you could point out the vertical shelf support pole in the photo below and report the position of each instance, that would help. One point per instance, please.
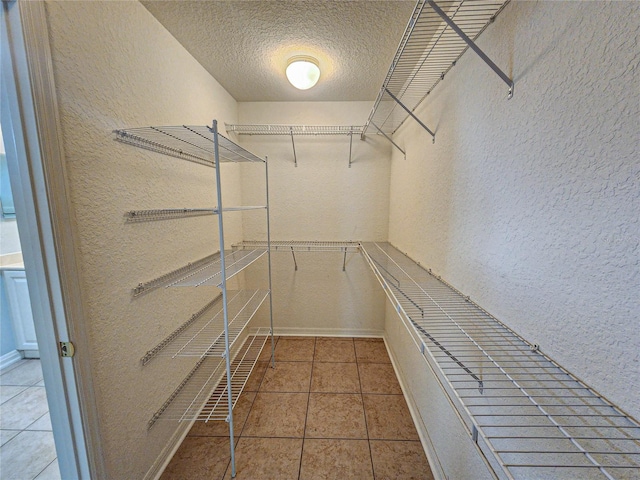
(473, 46)
(433, 135)
(227, 355)
(293, 144)
(273, 345)
(350, 145)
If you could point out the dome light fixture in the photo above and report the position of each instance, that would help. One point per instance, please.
(303, 72)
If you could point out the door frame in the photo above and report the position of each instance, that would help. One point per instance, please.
(48, 236)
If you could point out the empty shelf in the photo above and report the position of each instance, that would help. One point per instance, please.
(202, 395)
(210, 274)
(192, 143)
(205, 335)
(301, 246)
(205, 271)
(428, 49)
(295, 129)
(136, 216)
(530, 417)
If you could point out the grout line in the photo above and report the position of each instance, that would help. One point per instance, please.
(304, 431)
(364, 412)
(36, 477)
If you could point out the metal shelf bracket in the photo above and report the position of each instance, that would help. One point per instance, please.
(433, 135)
(505, 78)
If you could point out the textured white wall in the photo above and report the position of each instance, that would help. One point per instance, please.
(530, 205)
(321, 199)
(115, 67)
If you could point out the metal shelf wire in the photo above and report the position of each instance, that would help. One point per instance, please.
(205, 271)
(204, 336)
(300, 246)
(530, 417)
(202, 396)
(428, 50)
(192, 143)
(295, 129)
(137, 216)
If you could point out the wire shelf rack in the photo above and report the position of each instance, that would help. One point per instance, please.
(204, 335)
(300, 246)
(530, 417)
(193, 143)
(295, 129)
(202, 396)
(205, 271)
(137, 216)
(428, 50)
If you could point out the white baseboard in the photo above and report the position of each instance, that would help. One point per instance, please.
(327, 332)
(427, 445)
(9, 359)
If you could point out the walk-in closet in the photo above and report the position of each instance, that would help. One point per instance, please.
(418, 260)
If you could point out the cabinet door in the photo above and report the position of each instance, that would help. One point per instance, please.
(20, 307)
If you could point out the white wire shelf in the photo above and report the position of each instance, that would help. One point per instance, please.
(256, 129)
(205, 271)
(137, 216)
(202, 396)
(300, 246)
(204, 335)
(428, 50)
(530, 417)
(194, 143)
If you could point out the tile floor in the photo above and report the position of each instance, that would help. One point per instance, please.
(331, 409)
(27, 451)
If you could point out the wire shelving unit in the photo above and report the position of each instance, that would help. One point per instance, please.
(214, 334)
(437, 35)
(530, 417)
(294, 246)
(295, 130)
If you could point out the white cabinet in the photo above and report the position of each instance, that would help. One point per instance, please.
(21, 317)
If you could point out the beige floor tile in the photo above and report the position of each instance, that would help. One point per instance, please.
(398, 460)
(336, 459)
(13, 365)
(27, 374)
(277, 415)
(295, 349)
(24, 409)
(267, 459)
(371, 351)
(334, 350)
(26, 455)
(335, 378)
(199, 458)
(287, 377)
(335, 415)
(220, 428)
(388, 418)
(52, 472)
(265, 354)
(378, 378)
(255, 379)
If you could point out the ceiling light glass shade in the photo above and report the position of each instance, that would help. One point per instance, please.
(303, 72)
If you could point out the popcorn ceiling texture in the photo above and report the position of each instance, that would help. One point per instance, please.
(530, 205)
(115, 66)
(337, 33)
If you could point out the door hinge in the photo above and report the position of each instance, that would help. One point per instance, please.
(67, 349)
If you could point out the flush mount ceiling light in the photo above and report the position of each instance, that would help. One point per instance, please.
(303, 72)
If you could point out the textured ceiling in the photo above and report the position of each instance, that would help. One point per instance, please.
(245, 44)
